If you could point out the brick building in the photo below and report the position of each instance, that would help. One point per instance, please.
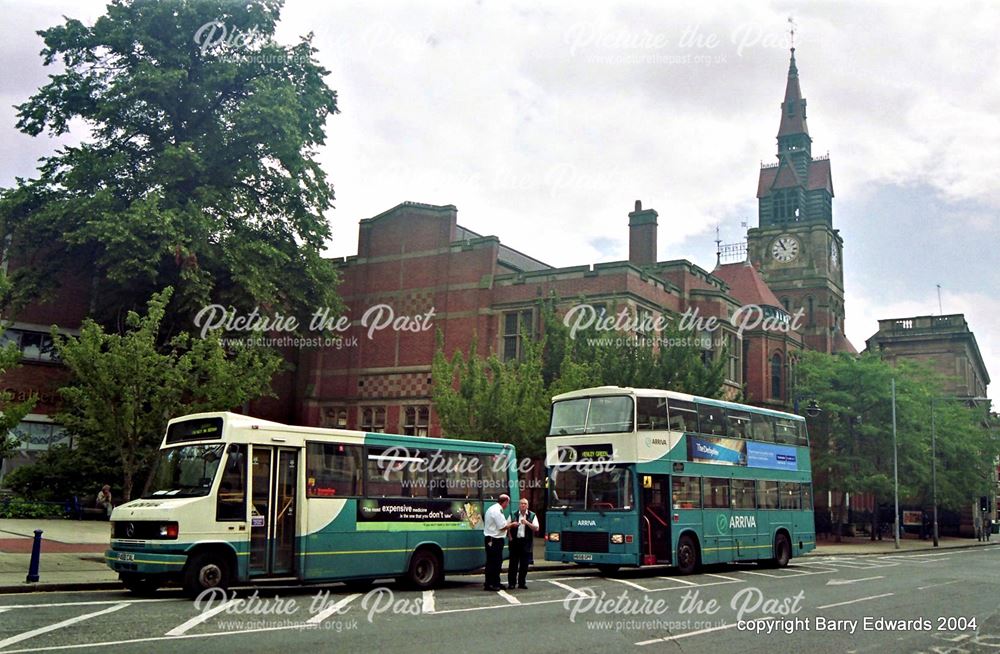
(945, 343)
(415, 261)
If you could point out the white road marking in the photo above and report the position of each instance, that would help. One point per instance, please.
(507, 596)
(180, 629)
(575, 591)
(667, 639)
(59, 625)
(844, 582)
(946, 583)
(93, 603)
(722, 577)
(628, 583)
(855, 601)
(427, 602)
(680, 581)
(330, 610)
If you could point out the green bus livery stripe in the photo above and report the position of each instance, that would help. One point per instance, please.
(117, 560)
(407, 549)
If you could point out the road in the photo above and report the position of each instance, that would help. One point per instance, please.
(942, 602)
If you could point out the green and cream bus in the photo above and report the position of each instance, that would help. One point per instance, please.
(642, 477)
(233, 499)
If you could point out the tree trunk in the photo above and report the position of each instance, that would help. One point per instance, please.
(875, 525)
(838, 528)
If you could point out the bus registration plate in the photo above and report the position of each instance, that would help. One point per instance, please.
(126, 556)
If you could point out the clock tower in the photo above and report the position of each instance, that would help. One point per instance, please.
(795, 246)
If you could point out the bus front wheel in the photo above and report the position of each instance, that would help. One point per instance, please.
(782, 551)
(425, 569)
(687, 555)
(205, 570)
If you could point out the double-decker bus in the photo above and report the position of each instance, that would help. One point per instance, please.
(641, 477)
(237, 499)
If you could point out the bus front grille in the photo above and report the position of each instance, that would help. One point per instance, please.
(585, 541)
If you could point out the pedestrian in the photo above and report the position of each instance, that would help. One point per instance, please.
(104, 500)
(495, 526)
(988, 527)
(521, 537)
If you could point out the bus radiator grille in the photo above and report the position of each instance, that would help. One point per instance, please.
(585, 541)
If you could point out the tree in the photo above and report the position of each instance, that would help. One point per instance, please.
(489, 399)
(852, 440)
(199, 171)
(126, 387)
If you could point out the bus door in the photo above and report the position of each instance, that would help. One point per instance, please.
(744, 519)
(717, 521)
(654, 520)
(274, 476)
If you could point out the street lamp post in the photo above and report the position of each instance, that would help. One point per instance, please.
(934, 473)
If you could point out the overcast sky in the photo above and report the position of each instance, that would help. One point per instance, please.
(544, 124)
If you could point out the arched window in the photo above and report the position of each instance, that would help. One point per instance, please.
(776, 376)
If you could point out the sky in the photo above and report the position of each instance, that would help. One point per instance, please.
(544, 123)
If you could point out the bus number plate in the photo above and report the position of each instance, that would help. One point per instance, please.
(126, 556)
(583, 557)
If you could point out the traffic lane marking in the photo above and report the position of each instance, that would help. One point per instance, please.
(688, 634)
(201, 617)
(59, 625)
(855, 601)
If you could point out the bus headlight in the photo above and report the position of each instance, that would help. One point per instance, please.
(554, 537)
(617, 539)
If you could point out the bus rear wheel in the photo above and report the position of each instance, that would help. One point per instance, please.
(687, 555)
(205, 570)
(425, 569)
(782, 551)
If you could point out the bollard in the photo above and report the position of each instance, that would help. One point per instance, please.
(36, 552)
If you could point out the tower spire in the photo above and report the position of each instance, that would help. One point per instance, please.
(793, 109)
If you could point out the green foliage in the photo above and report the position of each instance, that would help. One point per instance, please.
(199, 171)
(18, 508)
(126, 387)
(488, 398)
(61, 473)
(852, 441)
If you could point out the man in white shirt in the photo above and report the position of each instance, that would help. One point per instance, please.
(495, 525)
(521, 542)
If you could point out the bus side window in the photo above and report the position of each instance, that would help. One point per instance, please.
(231, 501)
(763, 427)
(652, 413)
(683, 416)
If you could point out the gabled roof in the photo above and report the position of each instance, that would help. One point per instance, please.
(746, 284)
(783, 176)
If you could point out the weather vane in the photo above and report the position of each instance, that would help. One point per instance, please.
(791, 31)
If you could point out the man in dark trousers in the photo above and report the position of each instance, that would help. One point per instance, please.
(495, 526)
(526, 524)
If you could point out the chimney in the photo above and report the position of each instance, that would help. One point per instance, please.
(642, 235)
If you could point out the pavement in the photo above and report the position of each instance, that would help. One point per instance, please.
(72, 553)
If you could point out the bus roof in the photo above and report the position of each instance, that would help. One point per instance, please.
(598, 391)
(240, 421)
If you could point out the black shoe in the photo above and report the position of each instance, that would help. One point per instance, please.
(523, 586)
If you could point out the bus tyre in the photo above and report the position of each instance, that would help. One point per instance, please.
(205, 570)
(782, 551)
(425, 570)
(607, 569)
(687, 555)
(140, 584)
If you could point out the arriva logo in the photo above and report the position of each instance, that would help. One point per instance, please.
(586, 523)
(743, 522)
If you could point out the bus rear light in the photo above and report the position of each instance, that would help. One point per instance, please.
(168, 530)
(628, 538)
(617, 539)
(554, 537)
(677, 517)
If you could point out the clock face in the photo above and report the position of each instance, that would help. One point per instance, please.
(834, 257)
(785, 248)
